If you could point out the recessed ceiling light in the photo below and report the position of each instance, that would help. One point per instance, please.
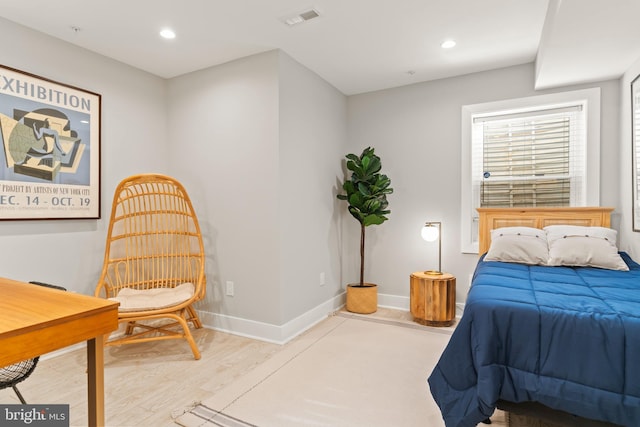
(167, 33)
(448, 44)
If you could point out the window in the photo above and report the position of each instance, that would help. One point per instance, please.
(537, 151)
(532, 158)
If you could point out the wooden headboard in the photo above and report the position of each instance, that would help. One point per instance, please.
(491, 218)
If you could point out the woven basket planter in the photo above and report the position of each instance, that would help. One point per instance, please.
(362, 299)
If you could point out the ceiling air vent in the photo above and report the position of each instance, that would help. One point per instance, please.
(301, 17)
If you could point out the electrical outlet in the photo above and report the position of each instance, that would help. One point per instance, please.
(229, 289)
(322, 279)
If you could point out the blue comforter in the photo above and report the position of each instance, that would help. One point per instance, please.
(568, 338)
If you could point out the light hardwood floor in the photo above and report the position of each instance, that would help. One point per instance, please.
(144, 383)
(148, 384)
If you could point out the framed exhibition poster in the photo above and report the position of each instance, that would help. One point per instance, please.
(50, 156)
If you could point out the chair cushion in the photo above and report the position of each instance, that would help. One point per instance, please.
(150, 299)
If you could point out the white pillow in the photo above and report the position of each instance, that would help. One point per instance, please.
(523, 245)
(575, 245)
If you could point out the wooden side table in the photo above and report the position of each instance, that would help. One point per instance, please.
(433, 298)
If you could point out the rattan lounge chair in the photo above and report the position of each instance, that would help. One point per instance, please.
(154, 261)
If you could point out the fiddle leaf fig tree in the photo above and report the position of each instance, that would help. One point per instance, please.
(366, 194)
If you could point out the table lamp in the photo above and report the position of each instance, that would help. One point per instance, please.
(430, 232)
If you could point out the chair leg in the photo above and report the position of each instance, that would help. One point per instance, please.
(19, 394)
(193, 318)
(130, 327)
(189, 337)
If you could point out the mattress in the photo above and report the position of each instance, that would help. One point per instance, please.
(566, 337)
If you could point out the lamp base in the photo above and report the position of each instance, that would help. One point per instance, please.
(433, 272)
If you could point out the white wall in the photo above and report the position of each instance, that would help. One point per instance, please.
(629, 240)
(313, 130)
(223, 134)
(69, 252)
(257, 142)
(416, 130)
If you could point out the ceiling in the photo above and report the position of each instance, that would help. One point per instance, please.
(356, 45)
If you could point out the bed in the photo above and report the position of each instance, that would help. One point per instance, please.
(562, 338)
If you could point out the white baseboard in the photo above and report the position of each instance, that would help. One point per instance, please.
(284, 333)
(269, 332)
(404, 303)
(459, 309)
(393, 301)
(64, 350)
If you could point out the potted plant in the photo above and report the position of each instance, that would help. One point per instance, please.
(366, 194)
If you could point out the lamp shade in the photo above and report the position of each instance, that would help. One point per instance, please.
(430, 232)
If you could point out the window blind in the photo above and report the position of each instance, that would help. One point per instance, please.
(532, 158)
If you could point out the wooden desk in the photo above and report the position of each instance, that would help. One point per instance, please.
(35, 320)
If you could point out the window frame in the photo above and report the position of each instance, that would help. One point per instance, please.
(591, 99)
